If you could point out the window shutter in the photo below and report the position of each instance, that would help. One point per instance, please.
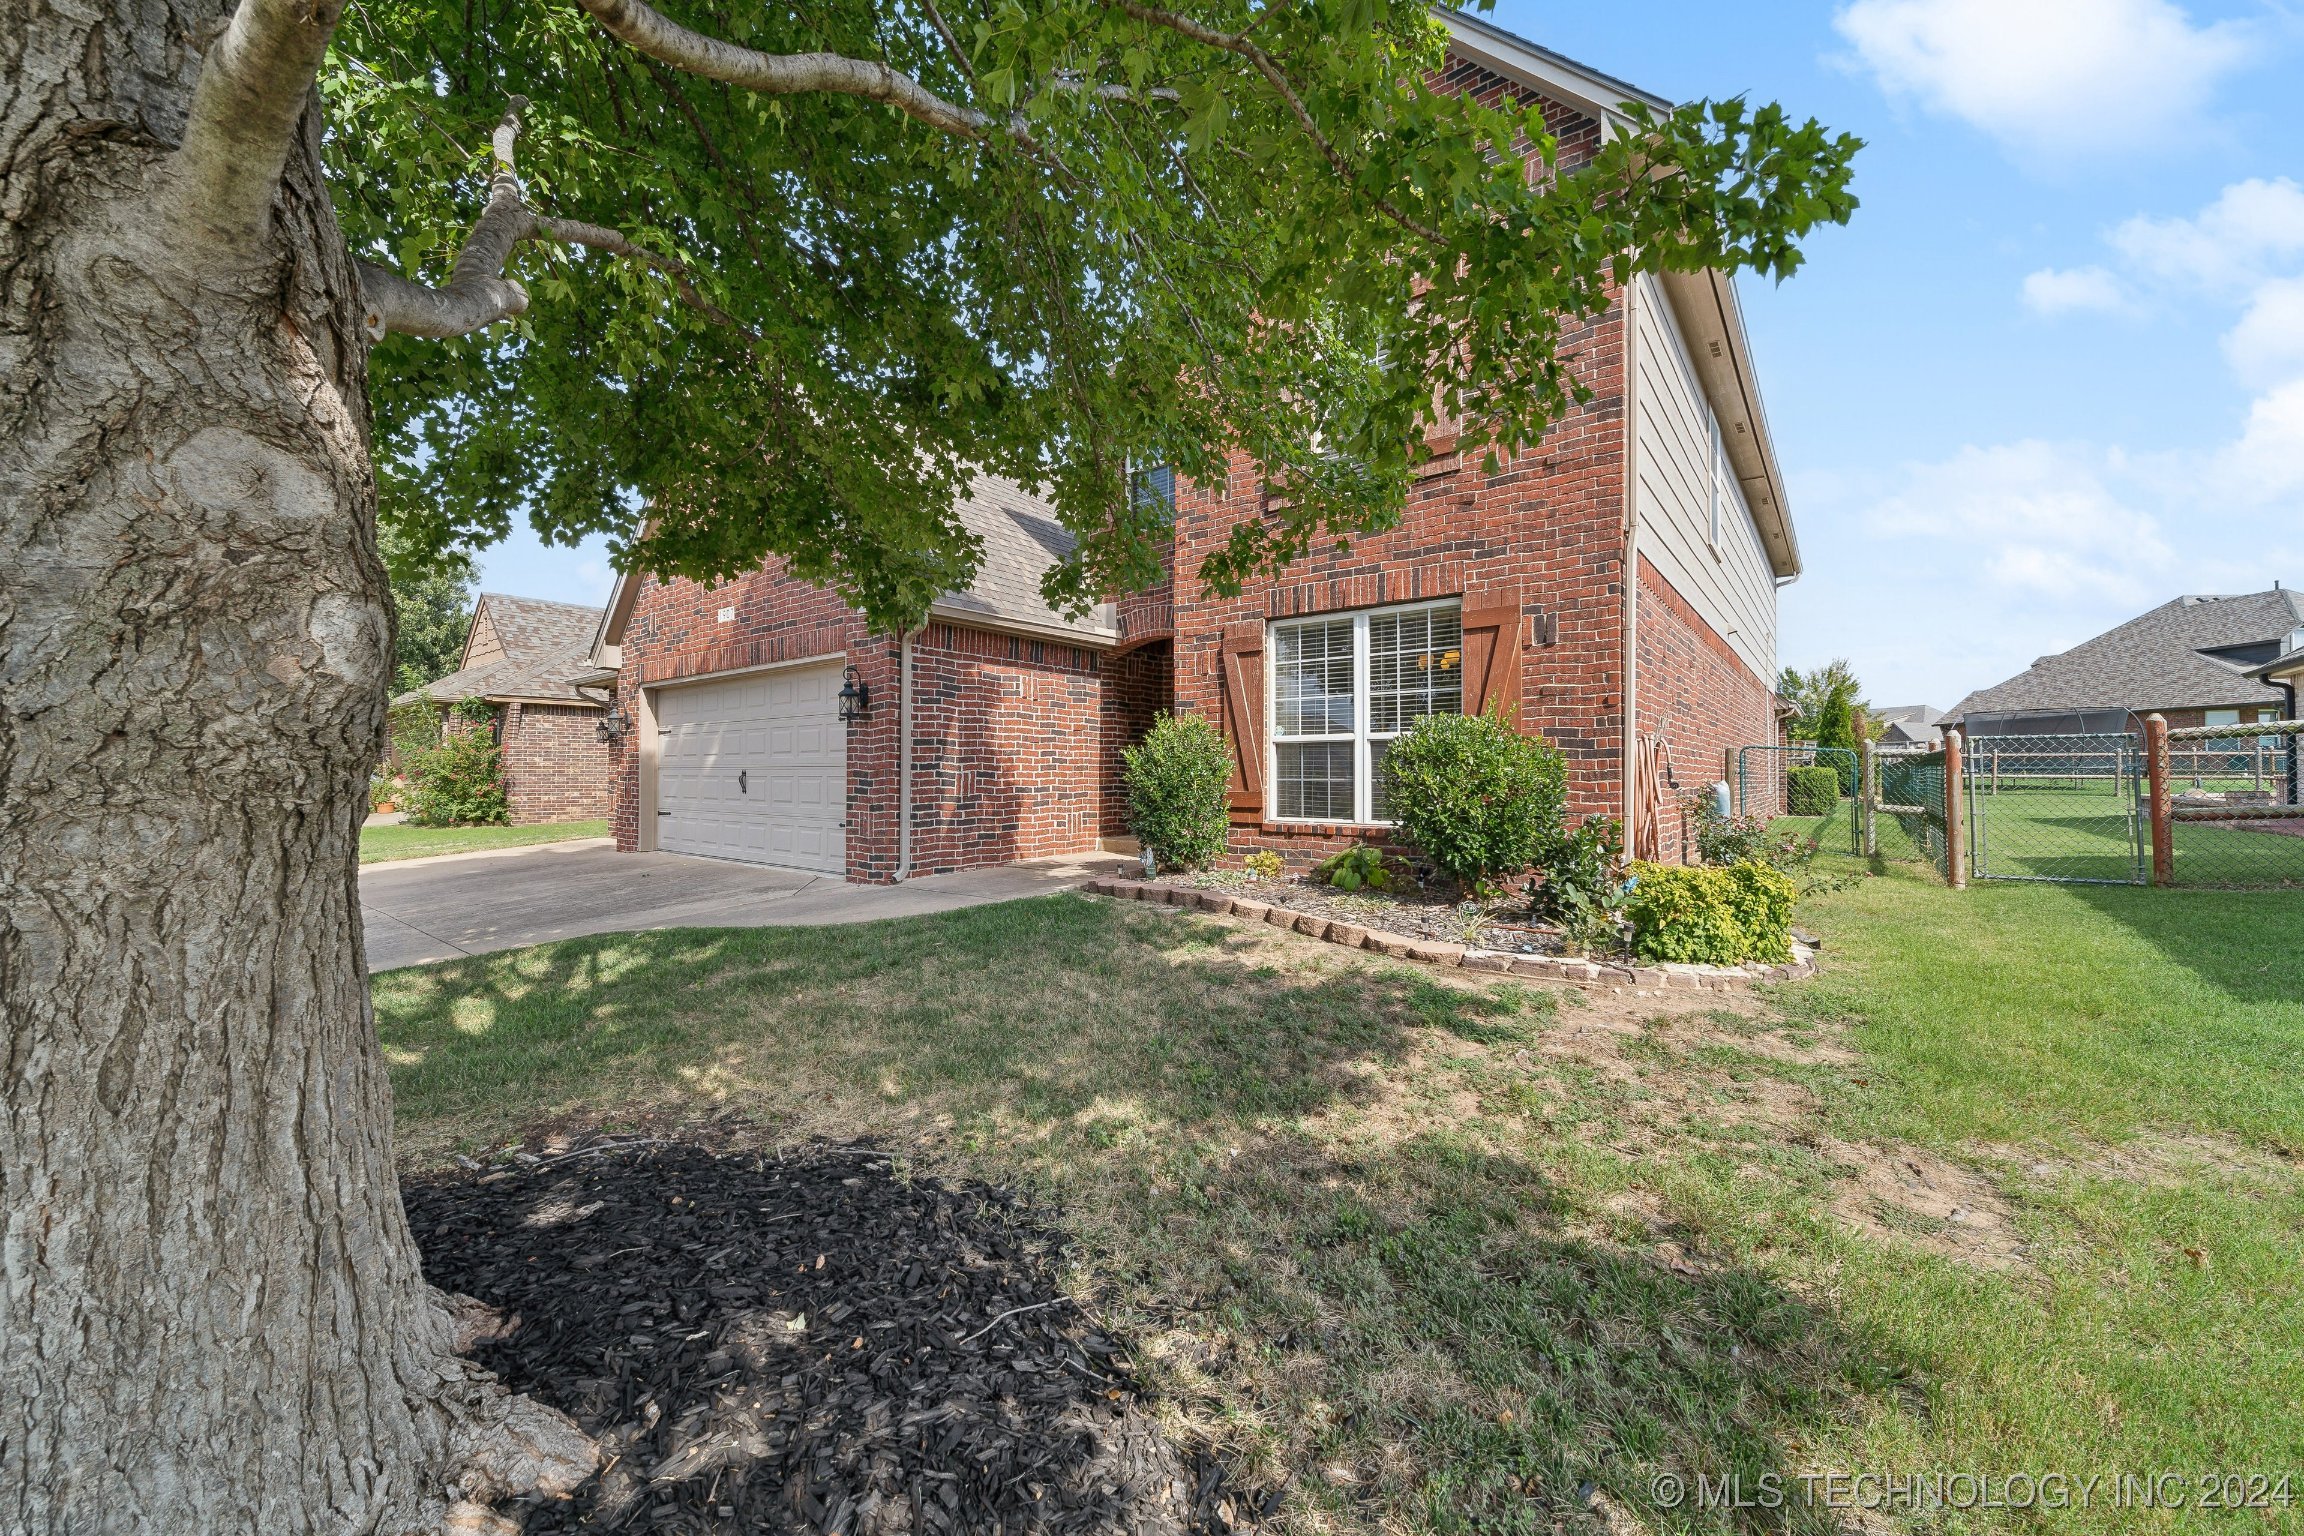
(1492, 650)
(1243, 662)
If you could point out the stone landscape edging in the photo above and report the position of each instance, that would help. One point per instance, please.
(1587, 973)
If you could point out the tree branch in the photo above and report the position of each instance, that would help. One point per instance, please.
(477, 293)
(649, 31)
(1269, 68)
(251, 93)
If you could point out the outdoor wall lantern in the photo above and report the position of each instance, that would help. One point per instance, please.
(615, 725)
(855, 697)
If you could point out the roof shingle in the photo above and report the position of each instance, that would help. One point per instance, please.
(545, 644)
(2158, 661)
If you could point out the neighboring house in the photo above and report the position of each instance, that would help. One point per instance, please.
(520, 657)
(1908, 725)
(2196, 660)
(1614, 588)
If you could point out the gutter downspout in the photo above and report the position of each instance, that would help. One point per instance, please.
(904, 754)
(1630, 692)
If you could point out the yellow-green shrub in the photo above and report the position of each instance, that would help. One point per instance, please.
(1710, 916)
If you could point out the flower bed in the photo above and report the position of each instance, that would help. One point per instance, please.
(1412, 914)
(1372, 922)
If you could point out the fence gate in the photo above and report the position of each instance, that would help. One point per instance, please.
(2073, 809)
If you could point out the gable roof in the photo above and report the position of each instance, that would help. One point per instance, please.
(2159, 661)
(1022, 542)
(519, 648)
(1704, 304)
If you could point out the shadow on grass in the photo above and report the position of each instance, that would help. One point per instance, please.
(2247, 944)
(1457, 1360)
(1268, 1163)
(1039, 1010)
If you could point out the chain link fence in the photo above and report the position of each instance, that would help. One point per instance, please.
(1904, 810)
(1763, 788)
(2236, 805)
(2062, 808)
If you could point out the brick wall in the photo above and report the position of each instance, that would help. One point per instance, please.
(1546, 529)
(1014, 739)
(1138, 685)
(1698, 695)
(1007, 749)
(556, 767)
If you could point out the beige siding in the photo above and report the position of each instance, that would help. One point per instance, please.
(483, 645)
(1680, 465)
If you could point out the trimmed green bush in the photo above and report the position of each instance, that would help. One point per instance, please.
(1812, 791)
(1480, 800)
(460, 782)
(1695, 915)
(1176, 778)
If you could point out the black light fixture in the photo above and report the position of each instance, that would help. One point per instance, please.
(614, 725)
(855, 697)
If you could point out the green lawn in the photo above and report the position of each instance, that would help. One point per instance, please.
(378, 844)
(2012, 1188)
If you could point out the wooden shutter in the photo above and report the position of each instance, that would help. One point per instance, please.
(1243, 663)
(1492, 650)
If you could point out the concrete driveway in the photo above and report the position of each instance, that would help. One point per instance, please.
(420, 910)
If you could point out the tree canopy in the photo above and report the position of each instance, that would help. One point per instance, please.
(803, 270)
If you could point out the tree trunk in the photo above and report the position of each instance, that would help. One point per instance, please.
(212, 1316)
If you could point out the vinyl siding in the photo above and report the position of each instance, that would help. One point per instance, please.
(1679, 461)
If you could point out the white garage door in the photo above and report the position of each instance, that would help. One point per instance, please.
(755, 768)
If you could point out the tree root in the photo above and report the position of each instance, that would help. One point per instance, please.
(503, 1446)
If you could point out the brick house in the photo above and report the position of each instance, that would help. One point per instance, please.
(522, 656)
(1615, 588)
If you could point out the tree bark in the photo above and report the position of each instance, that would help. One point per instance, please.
(212, 1315)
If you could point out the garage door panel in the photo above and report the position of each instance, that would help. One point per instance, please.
(755, 768)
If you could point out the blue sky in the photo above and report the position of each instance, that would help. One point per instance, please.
(2054, 372)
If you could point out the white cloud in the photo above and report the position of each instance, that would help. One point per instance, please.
(2034, 517)
(2080, 290)
(2266, 464)
(2050, 79)
(2251, 228)
(2267, 347)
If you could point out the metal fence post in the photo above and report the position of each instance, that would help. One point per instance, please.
(1955, 816)
(2161, 768)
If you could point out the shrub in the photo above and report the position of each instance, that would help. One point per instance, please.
(1701, 916)
(460, 782)
(1176, 780)
(1812, 791)
(1264, 864)
(1478, 798)
(1583, 885)
(1361, 868)
(1727, 839)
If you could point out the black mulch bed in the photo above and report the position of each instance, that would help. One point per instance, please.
(805, 1342)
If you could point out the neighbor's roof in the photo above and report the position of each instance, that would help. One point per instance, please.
(543, 645)
(2160, 661)
(2281, 665)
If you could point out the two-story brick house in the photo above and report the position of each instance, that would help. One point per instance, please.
(1615, 588)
